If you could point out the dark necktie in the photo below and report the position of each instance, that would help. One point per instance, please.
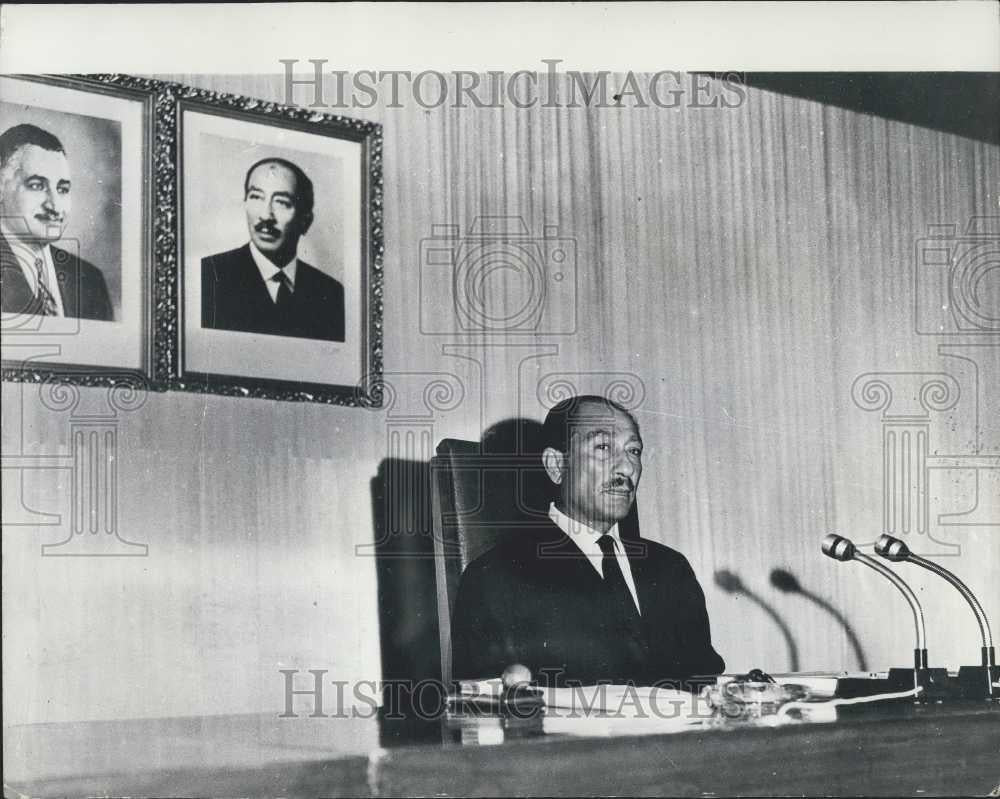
(48, 302)
(614, 580)
(284, 288)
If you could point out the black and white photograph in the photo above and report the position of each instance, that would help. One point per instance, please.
(74, 225)
(546, 399)
(275, 242)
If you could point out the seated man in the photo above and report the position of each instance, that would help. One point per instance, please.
(575, 601)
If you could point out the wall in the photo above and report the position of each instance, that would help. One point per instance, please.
(738, 268)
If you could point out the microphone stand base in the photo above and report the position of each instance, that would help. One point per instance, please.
(971, 682)
(977, 682)
(935, 682)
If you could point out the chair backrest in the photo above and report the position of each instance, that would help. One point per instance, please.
(477, 497)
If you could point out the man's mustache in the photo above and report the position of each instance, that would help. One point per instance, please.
(47, 217)
(265, 226)
(618, 483)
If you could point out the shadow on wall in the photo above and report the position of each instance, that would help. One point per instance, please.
(404, 568)
(732, 584)
(788, 583)
(785, 581)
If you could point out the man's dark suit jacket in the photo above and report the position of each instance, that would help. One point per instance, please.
(535, 599)
(81, 286)
(235, 297)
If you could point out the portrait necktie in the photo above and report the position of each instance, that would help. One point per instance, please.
(284, 288)
(48, 302)
(614, 580)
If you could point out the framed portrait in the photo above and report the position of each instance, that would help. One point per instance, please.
(280, 251)
(76, 251)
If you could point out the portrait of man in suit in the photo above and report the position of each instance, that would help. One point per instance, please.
(574, 600)
(36, 190)
(263, 286)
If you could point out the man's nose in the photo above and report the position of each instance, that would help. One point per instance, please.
(625, 466)
(55, 202)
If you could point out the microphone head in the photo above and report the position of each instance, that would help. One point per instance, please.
(785, 581)
(837, 547)
(728, 581)
(892, 548)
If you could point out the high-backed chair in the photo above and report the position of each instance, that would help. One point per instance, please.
(478, 496)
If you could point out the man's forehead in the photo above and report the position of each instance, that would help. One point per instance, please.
(36, 160)
(275, 176)
(593, 419)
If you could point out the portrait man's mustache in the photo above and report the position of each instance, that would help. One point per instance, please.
(268, 227)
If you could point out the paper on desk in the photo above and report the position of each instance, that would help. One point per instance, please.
(621, 710)
(485, 687)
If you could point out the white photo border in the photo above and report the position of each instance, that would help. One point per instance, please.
(363, 385)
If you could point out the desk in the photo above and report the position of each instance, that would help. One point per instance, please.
(888, 750)
(891, 750)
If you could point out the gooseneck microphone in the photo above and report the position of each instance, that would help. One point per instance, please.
(843, 549)
(895, 550)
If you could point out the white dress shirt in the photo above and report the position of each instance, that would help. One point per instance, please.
(268, 270)
(586, 539)
(32, 260)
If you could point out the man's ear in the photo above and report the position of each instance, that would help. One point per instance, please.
(555, 464)
(306, 223)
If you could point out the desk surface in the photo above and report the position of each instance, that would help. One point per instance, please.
(889, 750)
